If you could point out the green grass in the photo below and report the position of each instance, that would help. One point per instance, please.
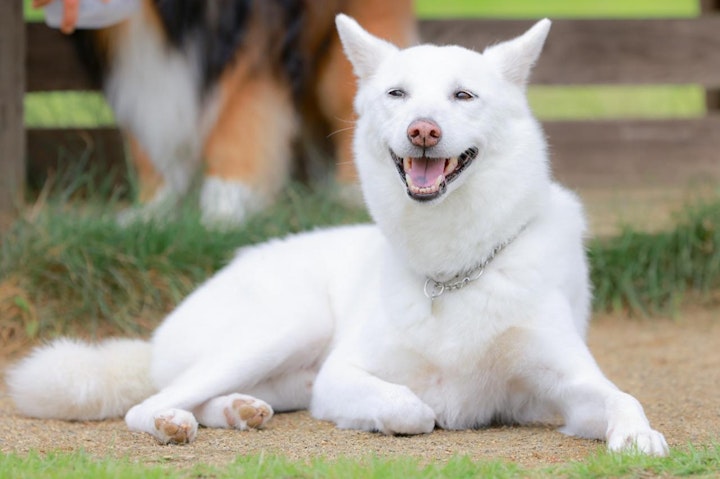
(531, 8)
(74, 266)
(32, 14)
(693, 462)
(556, 8)
(654, 272)
(591, 102)
(67, 109)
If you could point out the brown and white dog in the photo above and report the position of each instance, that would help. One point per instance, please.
(234, 90)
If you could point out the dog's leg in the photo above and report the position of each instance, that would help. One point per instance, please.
(249, 148)
(354, 399)
(155, 95)
(166, 415)
(235, 411)
(159, 190)
(150, 181)
(557, 368)
(276, 368)
(157, 196)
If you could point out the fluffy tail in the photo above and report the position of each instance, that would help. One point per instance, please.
(72, 380)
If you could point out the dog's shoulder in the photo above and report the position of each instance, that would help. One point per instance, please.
(564, 210)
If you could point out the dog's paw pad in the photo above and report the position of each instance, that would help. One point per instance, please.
(246, 412)
(175, 427)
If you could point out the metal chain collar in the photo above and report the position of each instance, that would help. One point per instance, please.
(434, 289)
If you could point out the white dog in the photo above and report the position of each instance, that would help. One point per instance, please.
(466, 303)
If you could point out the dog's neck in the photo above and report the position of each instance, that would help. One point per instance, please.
(442, 240)
(442, 246)
(434, 288)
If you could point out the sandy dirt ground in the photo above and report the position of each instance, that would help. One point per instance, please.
(671, 365)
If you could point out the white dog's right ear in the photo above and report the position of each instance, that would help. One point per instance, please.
(515, 58)
(365, 51)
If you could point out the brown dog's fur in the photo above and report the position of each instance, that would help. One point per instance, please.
(283, 95)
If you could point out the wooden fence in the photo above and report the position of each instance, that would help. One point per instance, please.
(12, 83)
(585, 153)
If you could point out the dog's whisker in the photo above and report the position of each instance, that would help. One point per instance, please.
(345, 120)
(340, 131)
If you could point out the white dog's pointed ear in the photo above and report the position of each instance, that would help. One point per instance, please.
(365, 51)
(516, 57)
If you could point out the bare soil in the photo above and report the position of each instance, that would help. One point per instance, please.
(671, 365)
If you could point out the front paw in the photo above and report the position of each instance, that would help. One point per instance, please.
(643, 440)
(419, 419)
(403, 413)
(175, 426)
(246, 412)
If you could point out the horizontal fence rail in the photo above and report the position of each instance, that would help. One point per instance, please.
(635, 152)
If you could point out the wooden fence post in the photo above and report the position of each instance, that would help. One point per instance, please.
(709, 6)
(12, 88)
(712, 95)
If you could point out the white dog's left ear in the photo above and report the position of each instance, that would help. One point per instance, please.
(365, 51)
(515, 58)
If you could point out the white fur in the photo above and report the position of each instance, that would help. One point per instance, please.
(228, 202)
(106, 379)
(337, 320)
(154, 92)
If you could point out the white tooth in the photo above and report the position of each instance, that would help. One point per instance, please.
(409, 181)
(452, 164)
(439, 181)
(407, 163)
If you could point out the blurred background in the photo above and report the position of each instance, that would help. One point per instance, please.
(626, 91)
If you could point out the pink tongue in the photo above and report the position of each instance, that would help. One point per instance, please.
(425, 171)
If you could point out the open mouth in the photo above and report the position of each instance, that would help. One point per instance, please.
(427, 178)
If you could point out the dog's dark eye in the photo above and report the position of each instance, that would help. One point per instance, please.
(463, 95)
(396, 93)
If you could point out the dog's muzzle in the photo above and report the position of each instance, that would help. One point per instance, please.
(427, 178)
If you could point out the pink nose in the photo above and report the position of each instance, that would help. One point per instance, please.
(424, 133)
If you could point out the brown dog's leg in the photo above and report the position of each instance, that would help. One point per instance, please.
(248, 151)
(149, 179)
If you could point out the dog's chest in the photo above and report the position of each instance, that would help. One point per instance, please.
(445, 350)
(447, 358)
